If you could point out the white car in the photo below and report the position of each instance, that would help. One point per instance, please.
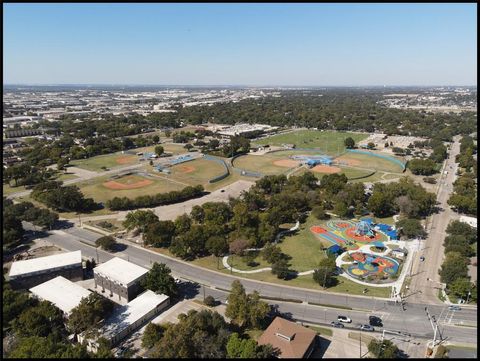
(344, 319)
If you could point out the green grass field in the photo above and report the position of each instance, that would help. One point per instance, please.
(95, 164)
(330, 142)
(7, 189)
(261, 163)
(369, 162)
(303, 247)
(95, 189)
(110, 160)
(204, 170)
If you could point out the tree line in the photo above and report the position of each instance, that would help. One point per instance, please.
(159, 199)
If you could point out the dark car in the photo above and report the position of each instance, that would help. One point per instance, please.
(375, 321)
(337, 324)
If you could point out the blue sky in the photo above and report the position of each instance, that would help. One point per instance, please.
(240, 44)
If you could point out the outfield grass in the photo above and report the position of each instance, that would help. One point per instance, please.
(371, 162)
(95, 164)
(330, 142)
(95, 189)
(204, 170)
(261, 163)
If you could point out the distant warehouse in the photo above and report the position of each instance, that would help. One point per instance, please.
(63, 293)
(32, 272)
(129, 318)
(119, 277)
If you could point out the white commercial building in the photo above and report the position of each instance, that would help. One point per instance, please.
(63, 293)
(130, 317)
(31, 272)
(471, 221)
(119, 277)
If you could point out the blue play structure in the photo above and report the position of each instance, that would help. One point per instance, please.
(334, 250)
(363, 228)
(313, 160)
(388, 230)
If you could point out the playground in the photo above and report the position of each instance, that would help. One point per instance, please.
(368, 265)
(353, 237)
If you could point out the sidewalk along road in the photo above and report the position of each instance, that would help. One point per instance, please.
(413, 318)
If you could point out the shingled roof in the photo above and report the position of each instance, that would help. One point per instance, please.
(291, 339)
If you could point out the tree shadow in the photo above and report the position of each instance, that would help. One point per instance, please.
(119, 247)
(188, 290)
(63, 224)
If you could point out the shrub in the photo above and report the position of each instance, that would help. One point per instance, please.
(209, 301)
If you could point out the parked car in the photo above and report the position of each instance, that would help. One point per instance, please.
(454, 308)
(344, 319)
(366, 328)
(375, 321)
(337, 324)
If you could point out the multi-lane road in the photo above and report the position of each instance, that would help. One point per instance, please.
(425, 281)
(412, 320)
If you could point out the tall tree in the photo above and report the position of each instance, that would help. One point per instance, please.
(159, 280)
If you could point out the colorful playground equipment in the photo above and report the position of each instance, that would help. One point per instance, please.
(371, 265)
(363, 228)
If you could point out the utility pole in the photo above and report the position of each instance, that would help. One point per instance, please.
(96, 251)
(435, 328)
(360, 343)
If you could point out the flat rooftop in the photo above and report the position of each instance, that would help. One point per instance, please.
(120, 271)
(63, 293)
(132, 312)
(41, 264)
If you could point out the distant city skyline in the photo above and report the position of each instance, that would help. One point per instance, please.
(251, 45)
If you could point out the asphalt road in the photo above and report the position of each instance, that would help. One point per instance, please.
(411, 321)
(425, 283)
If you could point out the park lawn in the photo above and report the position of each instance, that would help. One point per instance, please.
(109, 160)
(204, 170)
(321, 330)
(117, 225)
(372, 162)
(8, 189)
(95, 189)
(331, 142)
(304, 247)
(344, 286)
(239, 262)
(354, 172)
(261, 163)
(386, 220)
